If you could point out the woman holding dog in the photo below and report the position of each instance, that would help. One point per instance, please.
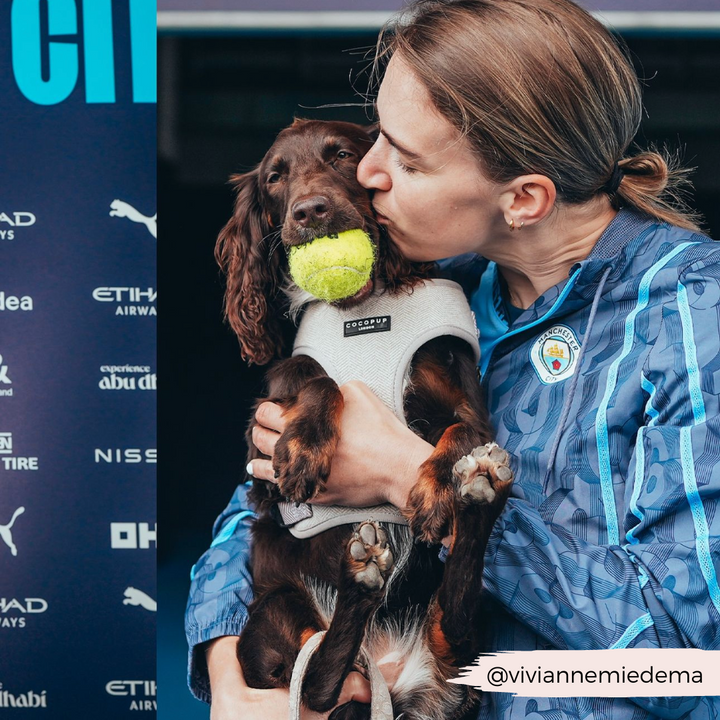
(505, 128)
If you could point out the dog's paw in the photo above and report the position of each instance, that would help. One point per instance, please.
(370, 559)
(484, 476)
(301, 469)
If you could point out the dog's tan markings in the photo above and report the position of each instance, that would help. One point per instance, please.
(432, 499)
(439, 646)
(303, 454)
(306, 634)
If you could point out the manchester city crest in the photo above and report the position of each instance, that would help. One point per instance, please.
(554, 354)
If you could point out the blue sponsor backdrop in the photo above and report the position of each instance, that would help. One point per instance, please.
(78, 302)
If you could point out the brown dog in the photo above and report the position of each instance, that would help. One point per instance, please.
(418, 620)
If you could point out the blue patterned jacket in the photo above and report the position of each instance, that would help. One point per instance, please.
(606, 394)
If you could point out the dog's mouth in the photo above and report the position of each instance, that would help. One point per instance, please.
(323, 216)
(337, 268)
(297, 235)
(362, 294)
(326, 213)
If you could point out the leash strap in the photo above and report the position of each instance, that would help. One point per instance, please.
(380, 703)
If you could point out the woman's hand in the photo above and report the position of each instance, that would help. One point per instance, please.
(376, 460)
(232, 699)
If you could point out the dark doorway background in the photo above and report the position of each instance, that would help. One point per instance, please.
(222, 101)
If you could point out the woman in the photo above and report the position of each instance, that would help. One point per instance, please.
(505, 126)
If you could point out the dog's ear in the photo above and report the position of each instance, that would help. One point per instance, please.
(243, 252)
(395, 270)
(372, 130)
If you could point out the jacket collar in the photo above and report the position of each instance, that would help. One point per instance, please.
(613, 248)
(478, 276)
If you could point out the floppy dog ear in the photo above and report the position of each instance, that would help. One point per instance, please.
(395, 270)
(372, 130)
(243, 252)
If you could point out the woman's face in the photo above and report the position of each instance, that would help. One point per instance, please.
(429, 191)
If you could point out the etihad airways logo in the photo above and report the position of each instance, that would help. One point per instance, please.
(11, 608)
(142, 299)
(142, 692)
(10, 221)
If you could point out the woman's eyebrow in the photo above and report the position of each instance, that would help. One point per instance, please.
(400, 148)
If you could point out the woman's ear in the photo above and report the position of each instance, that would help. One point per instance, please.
(243, 252)
(528, 199)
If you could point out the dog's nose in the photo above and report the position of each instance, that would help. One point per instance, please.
(311, 211)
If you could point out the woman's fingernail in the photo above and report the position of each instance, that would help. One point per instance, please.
(249, 469)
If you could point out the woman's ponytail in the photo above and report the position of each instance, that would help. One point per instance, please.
(655, 184)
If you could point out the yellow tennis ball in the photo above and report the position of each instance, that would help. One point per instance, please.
(333, 267)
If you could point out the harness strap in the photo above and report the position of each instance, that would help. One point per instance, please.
(305, 520)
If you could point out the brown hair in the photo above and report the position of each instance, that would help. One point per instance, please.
(539, 86)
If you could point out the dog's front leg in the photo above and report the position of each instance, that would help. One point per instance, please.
(484, 480)
(304, 452)
(296, 384)
(445, 406)
(366, 565)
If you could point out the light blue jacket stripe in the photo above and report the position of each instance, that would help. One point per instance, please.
(650, 410)
(652, 413)
(702, 533)
(696, 398)
(637, 485)
(601, 428)
(641, 624)
(226, 533)
(229, 530)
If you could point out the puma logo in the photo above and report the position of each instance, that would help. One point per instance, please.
(133, 596)
(5, 533)
(3, 373)
(118, 208)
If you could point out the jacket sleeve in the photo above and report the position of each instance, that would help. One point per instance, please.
(221, 588)
(659, 586)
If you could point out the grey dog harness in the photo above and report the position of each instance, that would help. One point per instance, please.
(375, 342)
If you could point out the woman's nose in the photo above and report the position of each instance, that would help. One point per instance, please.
(370, 173)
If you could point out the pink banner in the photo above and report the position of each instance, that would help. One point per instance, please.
(597, 673)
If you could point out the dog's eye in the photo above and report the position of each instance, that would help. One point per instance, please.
(274, 177)
(344, 154)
